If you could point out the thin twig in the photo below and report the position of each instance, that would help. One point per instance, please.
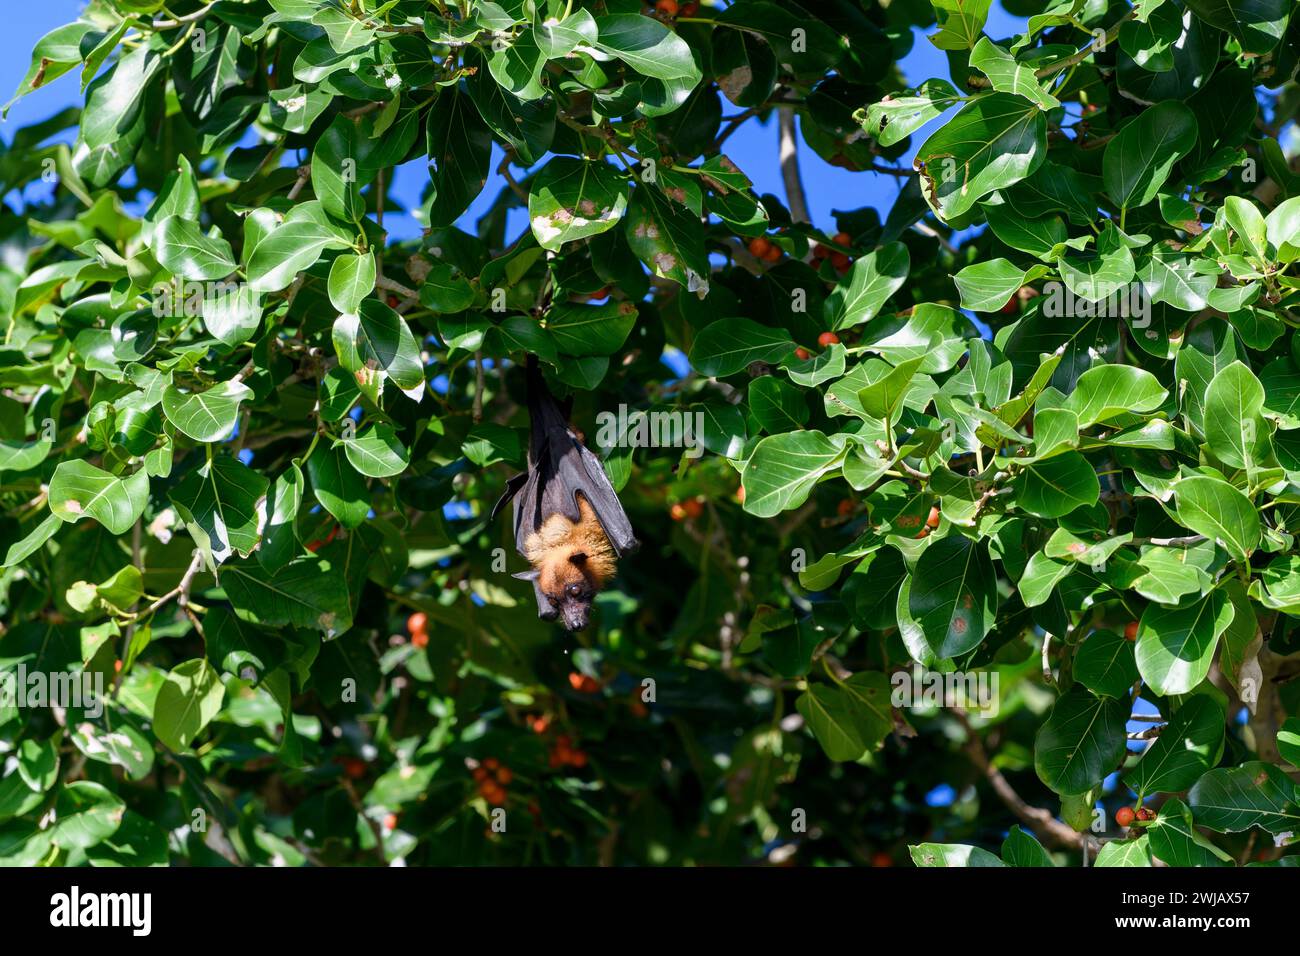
(393, 285)
(478, 387)
(194, 17)
(304, 174)
(1183, 542)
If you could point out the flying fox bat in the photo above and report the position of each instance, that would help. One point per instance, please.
(569, 523)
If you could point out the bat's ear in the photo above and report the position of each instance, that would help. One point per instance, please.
(530, 575)
(579, 558)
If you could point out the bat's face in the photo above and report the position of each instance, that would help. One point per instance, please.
(572, 605)
(568, 587)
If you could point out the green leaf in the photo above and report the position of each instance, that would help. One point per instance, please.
(994, 142)
(951, 854)
(881, 398)
(1186, 748)
(784, 468)
(53, 55)
(86, 813)
(961, 23)
(1175, 645)
(776, 406)
(667, 238)
(953, 595)
(232, 314)
(1214, 508)
(1056, 486)
(988, 286)
(377, 452)
(1235, 429)
(280, 534)
(872, 280)
(1257, 24)
(894, 119)
(375, 344)
(1138, 161)
(1255, 794)
(339, 486)
(1105, 664)
(648, 47)
(294, 245)
(1081, 742)
(308, 592)
(334, 172)
(1175, 840)
(33, 541)
(573, 199)
(1125, 853)
(188, 700)
(223, 503)
(352, 279)
(1008, 76)
(207, 416)
(1288, 741)
(183, 250)
(1021, 849)
(1105, 392)
(591, 329)
(827, 711)
(79, 490)
(728, 346)
(459, 145)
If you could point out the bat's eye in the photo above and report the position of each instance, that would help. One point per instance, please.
(575, 590)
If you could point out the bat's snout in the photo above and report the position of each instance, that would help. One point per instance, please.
(575, 619)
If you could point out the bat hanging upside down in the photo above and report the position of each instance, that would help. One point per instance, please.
(569, 523)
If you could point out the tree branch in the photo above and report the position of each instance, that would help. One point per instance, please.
(794, 194)
(1041, 821)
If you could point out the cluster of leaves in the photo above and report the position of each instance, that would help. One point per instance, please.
(244, 434)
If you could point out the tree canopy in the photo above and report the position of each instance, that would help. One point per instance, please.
(965, 519)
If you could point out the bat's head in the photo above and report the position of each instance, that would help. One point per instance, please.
(566, 586)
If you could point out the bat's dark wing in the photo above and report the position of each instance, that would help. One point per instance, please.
(559, 469)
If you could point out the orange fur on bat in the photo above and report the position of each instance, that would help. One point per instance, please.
(565, 552)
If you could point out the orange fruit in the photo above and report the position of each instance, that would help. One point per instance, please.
(677, 512)
(828, 338)
(693, 507)
(420, 640)
(667, 8)
(758, 247)
(802, 354)
(1125, 816)
(1131, 631)
(417, 622)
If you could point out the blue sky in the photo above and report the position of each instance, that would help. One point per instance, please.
(753, 148)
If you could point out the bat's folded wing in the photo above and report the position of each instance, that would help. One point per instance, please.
(578, 470)
(561, 470)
